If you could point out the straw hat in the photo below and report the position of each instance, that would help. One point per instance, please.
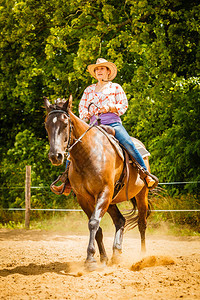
(103, 62)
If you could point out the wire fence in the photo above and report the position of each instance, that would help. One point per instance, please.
(80, 210)
(160, 183)
(74, 210)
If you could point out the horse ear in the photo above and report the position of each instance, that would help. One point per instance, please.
(47, 104)
(68, 103)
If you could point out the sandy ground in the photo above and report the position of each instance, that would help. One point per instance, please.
(45, 265)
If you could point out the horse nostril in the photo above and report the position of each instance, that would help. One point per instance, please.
(56, 158)
(59, 156)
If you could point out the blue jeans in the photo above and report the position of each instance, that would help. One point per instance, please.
(124, 138)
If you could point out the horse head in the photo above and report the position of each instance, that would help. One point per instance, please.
(58, 127)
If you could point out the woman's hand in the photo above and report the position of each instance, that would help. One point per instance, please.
(86, 120)
(112, 108)
(104, 109)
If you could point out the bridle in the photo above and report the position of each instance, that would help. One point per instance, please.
(70, 125)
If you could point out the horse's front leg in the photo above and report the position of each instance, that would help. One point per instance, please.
(102, 205)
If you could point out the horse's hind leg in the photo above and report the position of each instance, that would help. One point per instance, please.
(142, 205)
(102, 251)
(119, 222)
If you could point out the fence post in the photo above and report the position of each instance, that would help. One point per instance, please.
(27, 196)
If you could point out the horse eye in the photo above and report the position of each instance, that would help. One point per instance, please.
(65, 119)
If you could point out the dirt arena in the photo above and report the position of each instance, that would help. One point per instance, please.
(44, 265)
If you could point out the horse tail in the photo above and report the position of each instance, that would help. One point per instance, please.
(131, 216)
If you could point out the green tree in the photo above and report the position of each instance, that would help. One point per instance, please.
(47, 45)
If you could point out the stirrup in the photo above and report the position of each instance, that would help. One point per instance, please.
(53, 183)
(153, 177)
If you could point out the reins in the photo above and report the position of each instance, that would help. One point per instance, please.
(98, 120)
(80, 138)
(69, 148)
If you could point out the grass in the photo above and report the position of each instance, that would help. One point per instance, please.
(167, 223)
(167, 228)
(77, 223)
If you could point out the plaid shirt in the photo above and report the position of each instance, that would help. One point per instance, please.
(112, 94)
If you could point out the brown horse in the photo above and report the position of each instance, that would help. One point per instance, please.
(94, 169)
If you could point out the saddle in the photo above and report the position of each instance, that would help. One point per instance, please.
(108, 129)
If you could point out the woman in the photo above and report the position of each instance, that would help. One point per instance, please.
(109, 100)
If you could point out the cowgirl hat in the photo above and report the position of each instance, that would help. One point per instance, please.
(104, 63)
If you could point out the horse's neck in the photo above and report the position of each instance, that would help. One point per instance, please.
(83, 148)
(79, 126)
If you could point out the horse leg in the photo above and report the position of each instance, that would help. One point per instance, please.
(142, 205)
(119, 222)
(99, 234)
(102, 251)
(102, 204)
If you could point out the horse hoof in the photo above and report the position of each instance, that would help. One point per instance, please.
(104, 264)
(116, 258)
(104, 260)
(90, 265)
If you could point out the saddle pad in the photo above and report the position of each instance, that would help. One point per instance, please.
(140, 147)
(116, 144)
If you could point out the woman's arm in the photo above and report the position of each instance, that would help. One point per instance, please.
(121, 102)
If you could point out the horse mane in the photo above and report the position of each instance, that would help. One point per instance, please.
(60, 104)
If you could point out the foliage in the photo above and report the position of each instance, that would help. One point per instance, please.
(177, 209)
(180, 143)
(45, 49)
(36, 155)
